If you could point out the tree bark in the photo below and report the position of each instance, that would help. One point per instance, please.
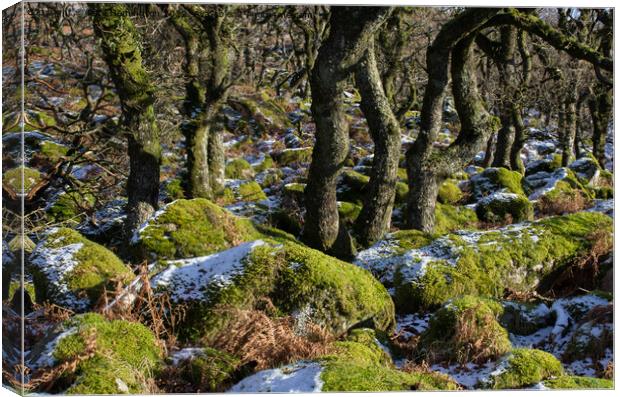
(351, 29)
(375, 217)
(567, 137)
(121, 49)
(600, 110)
(426, 166)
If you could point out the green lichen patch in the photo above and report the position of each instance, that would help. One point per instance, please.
(299, 281)
(238, 169)
(466, 329)
(123, 355)
(188, 228)
(502, 207)
(359, 364)
(526, 367)
(449, 193)
(13, 178)
(578, 382)
(72, 271)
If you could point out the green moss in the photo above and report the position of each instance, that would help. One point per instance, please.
(174, 189)
(71, 204)
(402, 174)
(556, 162)
(226, 196)
(406, 240)
(456, 329)
(359, 364)
(189, 228)
(266, 164)
(449, 193)
(45, 120)
(238, 169)
(578, 382)
(121, 350)
(271, 179)
(52, 150)
(96, 268)
(449, 218)
(14, 285)
(526, 367)
(519, 260)
(251, 191)
(348, 212)
(294, 156)
(13, 178)
(517, 207)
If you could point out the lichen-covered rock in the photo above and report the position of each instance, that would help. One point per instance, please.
(299, 281)
(238, 169)
(578, 382)
(52, 150)
(117, 357)
(587, 169)
(518, 257)
(525, 367)
(72, 271)
(188, 228)
(358, 363)
(449, 193)
(465, 329)
(497, 207)
(493, 180)
(549, 184)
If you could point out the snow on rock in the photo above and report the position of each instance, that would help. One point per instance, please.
(190, 279)
(301, 377)
(603, 206)
(45, 357)
(550, 181)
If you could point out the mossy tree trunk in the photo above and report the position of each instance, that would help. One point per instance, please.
(351, 29)
(520, 131)
(600, 105)
(120, 44)
(207, 38)
(375, 217)
(567, 134)
(427, 166)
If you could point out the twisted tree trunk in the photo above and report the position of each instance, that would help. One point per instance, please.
(351, 29)
(375, 217)
(121, 49)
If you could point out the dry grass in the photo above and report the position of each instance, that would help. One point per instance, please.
(563, 203)
(254, 337)
(477, 342)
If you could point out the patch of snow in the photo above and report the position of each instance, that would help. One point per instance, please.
(552, 181)
(604, 206)
(189, 279)
(301, 377)
(46, 357)
(185, 354)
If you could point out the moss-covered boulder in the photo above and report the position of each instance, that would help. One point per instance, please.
(449, 218)
(348, 212)
(13, 178)
(449, 193)
(567, 382)
(299, 281)
(188, 228)
(72, 271)
(70, 204)
(357, 363)
(465, 329)
(549, 184)
(263, 164)
(52, 150)
(517, 257)
(493, 180)
(113, 357)
(251, 191)
(238, 169)
(525, 367)
(293, 156)
(587, 169)
(499, 207)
